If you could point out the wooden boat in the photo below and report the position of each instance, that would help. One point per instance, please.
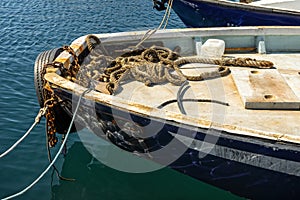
(220, 13)
(237, 127)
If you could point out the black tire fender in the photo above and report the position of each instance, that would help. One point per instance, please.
(39, 65)
(62, 119)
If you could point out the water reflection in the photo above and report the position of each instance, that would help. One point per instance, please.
(97, 181)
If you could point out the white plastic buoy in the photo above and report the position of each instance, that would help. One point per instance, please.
(213, 48)
(261, 47)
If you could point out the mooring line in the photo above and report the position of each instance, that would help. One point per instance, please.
(165, 20)
(56, 156)
(37, 120)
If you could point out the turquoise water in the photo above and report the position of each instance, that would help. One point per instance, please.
(29, 27)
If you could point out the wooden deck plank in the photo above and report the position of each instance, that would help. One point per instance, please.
(264, 89)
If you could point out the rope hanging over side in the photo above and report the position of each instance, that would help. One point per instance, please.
(56, 156)
(51, 101)
(50, 98)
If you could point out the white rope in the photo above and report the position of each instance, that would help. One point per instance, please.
(41, 113)
(170, 4)
(56, 156)
(165, 20)
(166, 15)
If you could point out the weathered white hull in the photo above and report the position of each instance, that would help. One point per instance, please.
(246, 140)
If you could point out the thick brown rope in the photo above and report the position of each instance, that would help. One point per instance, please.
(89, 42)
(241, 62)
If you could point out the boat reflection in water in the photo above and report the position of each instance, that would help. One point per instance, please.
(94, 180)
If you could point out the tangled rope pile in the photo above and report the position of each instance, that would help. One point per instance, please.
(154, 65)
(150, 66)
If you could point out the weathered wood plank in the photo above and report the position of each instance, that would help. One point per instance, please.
(264, 89)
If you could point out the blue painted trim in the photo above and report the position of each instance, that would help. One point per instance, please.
(198, 13)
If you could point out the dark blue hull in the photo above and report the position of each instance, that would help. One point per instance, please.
(239, 178)
(199, 13)
(249, 167)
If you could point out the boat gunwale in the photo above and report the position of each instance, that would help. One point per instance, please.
(251, 7)
(79, 44)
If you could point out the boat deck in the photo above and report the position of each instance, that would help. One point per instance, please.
(280, 123)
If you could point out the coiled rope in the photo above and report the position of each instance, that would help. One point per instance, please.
(37, 120)
(56, 156)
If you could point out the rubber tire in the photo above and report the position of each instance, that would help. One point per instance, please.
(42, 59)
(62, 119)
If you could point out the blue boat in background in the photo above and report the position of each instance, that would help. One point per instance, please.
(221, 13)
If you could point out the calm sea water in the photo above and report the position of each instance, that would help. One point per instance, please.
(29, 27)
